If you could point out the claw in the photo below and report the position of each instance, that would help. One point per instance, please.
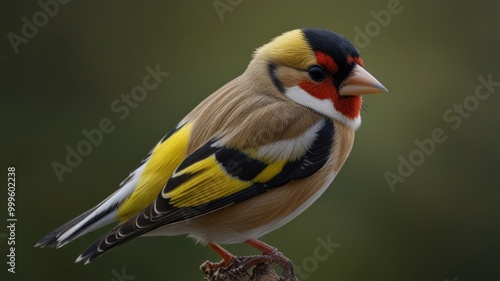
(239, 266)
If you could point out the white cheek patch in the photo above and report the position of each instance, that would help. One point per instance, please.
(298, 95)
(325, 107)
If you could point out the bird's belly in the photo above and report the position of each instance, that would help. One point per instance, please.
(257, 219)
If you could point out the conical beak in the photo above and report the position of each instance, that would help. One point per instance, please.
(361, 82)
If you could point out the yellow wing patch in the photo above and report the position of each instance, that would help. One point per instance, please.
(270, 172)
(207, 181)
(162, 163)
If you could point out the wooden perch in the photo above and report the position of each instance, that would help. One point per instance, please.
(239, 269)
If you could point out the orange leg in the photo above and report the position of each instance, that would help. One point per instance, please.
(227, 257)
(261, 246)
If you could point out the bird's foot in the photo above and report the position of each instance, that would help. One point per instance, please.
(269, 258)
(239, 269)
(271, 255)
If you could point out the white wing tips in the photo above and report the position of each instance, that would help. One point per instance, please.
(81, 258)
(77, 227)
(101, 215)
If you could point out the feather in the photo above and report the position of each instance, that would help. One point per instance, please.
(101, 215)
(164, 159)
(136, 191)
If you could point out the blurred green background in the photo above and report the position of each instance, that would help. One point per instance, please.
(441, 223)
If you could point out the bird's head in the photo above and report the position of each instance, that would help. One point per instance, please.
(321, 70)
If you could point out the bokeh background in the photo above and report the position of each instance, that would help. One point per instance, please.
(441, 223)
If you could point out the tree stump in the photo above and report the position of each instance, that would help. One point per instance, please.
(239, 269)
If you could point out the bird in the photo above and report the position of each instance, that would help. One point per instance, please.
(246, 160)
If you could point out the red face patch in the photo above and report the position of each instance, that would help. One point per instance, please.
(357, 60)
(327, 62)
(350, 106)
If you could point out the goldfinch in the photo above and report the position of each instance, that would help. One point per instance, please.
(249, 158)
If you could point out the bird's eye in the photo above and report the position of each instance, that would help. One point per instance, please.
(317, 73)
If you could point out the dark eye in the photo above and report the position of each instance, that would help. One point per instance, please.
(317, 73)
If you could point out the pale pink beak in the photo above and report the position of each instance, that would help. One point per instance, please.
(361, 82)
